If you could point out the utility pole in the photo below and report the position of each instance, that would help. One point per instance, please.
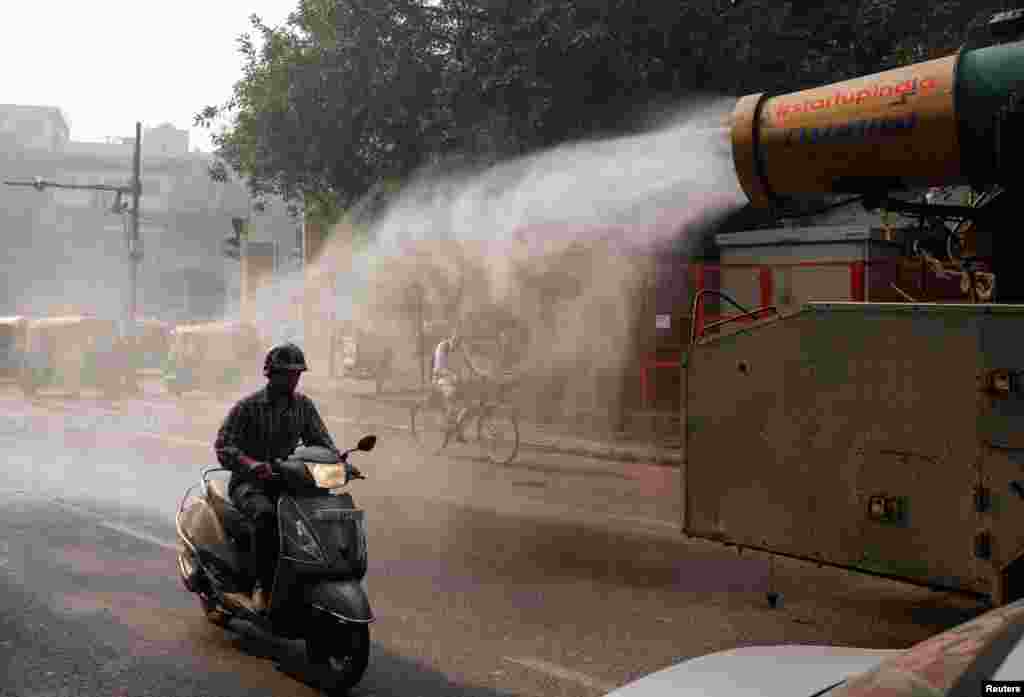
(134, 248)
(134, 245)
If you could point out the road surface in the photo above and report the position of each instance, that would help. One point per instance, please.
(555, 576)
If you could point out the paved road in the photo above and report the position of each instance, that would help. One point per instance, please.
(559, 576)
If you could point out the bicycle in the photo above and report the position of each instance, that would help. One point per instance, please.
(497, 426)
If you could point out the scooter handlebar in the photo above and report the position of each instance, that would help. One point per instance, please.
(352, 473)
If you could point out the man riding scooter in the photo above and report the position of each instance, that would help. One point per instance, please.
(260, 429)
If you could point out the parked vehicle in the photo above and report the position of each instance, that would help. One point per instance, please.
(365, 353)
(956, 663)
(318, 592)
(72, 353)
(211, 356)
(152, 344)
(13, 343)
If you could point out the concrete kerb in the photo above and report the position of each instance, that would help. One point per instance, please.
(596, 450)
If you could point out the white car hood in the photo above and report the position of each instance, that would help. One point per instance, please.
(757, 671)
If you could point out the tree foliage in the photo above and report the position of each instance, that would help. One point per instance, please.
(337, 98)
(349, 93)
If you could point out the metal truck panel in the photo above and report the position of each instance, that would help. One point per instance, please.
(743, 284)
(788, 237)
(1001, 439)
(857, 434)
(806, 254)
(807, 263)
(803, 282)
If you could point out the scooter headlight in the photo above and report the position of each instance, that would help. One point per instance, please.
(302, 540)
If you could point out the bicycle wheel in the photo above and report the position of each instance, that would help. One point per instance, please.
(428, 425)
(497, 430)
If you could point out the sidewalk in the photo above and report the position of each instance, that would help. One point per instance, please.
(390, 410)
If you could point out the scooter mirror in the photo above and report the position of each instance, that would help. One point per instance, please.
(366, 443)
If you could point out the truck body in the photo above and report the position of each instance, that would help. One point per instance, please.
(868, 421)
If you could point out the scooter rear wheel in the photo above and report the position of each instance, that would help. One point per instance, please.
(342, 652)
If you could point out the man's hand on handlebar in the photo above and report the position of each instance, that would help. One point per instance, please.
(262, 470)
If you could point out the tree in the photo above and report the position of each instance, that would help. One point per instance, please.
(338, 97)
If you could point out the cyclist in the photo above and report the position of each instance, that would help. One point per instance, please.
(450, 382)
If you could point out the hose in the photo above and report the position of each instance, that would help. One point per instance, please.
(696, 301)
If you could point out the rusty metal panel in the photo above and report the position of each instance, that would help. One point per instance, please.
(743, 285)
(787, 246)
(1001, 431)
(823, 283)
(846, 433)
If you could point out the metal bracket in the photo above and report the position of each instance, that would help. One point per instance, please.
(926, 210)
(1001, 383)
(982, 499)
(888, 510)
(983, 545)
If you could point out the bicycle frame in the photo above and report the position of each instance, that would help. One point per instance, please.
(478, 408)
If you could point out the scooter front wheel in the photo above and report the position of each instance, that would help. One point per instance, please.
(342, 652)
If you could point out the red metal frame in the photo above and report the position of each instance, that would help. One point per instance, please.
(697, 274)
(648, 365)
(858, 269)
(702, 321)
(767, 286)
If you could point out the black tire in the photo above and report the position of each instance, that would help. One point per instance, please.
(341, 654)
(214, 615)
(427, 423)
(497, 431)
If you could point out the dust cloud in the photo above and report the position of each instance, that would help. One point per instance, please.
(561, 242)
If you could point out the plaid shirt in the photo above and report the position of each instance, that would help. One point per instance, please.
(266, 432)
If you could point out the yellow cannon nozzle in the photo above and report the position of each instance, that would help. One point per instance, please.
(928, 124)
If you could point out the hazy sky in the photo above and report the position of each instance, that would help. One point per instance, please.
(110, 63)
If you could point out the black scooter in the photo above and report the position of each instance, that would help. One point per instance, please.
(319, 594)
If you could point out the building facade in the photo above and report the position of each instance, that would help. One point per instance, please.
(69, 245)
(35, 128)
